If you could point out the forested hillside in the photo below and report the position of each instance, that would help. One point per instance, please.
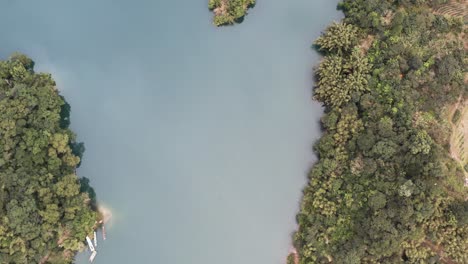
(45, 213)
(386, 188)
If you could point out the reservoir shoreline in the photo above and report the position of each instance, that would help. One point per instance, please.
(197, 134)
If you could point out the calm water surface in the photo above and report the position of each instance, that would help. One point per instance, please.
(197, 138)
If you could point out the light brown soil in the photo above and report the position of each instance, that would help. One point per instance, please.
(439, 251)
(388, 17)
(105, 213)
(458, 142)
(64, 236)
(295, 254)
(44, 259)
(222, 10)
(366, 43)
(457, 8)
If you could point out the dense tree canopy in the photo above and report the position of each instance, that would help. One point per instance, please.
(338, 38)
(228, 12)
(385, 189)
(44, 213)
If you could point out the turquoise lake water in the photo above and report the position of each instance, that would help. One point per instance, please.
(198, 138)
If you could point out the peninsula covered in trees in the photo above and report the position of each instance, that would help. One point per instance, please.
(45, 209)
(389, 186)
(228, 12)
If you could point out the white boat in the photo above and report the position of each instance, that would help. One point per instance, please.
(91, 258)
(95, 239)
(90, 244)
(103, 232)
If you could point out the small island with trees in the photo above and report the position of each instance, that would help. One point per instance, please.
(229, 12)
(46, 211)
(390, 185)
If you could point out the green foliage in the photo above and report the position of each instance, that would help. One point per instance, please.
(341, 77)
(456, 116)
(43, 212)
(385, 189)
(290, 259)
(421, 143)
(212, 4)
(228, 12)
(338, 38)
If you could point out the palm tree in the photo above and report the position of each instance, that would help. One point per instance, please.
(340, 77)
(339, 38)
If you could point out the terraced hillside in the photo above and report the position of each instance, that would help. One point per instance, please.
(455, 8)
(458, 144)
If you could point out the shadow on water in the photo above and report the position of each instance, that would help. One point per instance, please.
(85, 187)
(77, 148)
(239, 20)
(65, 114)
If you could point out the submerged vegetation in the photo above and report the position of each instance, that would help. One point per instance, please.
(228, 12)
(386, 188)
(45, 212)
